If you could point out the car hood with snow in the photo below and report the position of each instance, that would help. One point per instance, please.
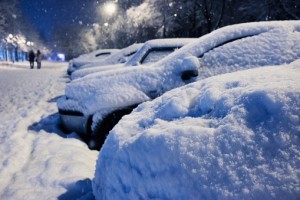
(111, 90)
(231, 136)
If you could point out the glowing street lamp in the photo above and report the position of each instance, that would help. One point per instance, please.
(30, 44)
(110, 8)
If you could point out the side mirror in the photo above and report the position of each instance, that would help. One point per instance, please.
(190, 66)
(186, 75)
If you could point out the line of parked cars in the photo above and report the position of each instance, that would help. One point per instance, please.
(108, 84)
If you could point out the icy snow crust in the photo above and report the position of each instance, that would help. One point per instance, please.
(269, 43)
(232, 136)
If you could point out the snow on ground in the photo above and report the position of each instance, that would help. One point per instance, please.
(231, 136)
(37, 161)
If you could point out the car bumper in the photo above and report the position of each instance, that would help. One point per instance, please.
(74, 121)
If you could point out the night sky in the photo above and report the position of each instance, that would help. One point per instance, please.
(45, 15)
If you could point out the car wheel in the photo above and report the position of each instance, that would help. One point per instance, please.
(102, 128)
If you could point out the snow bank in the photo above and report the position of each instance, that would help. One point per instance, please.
(233, 136)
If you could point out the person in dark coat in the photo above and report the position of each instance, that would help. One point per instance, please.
(39, 57)
(31, 59)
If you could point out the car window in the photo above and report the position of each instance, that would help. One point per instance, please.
(155, 55)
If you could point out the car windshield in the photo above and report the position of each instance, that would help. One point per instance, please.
(155, 55)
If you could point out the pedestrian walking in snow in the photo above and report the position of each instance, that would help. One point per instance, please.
(31, 59)
(39, 57)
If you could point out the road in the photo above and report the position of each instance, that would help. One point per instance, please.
(36, 158)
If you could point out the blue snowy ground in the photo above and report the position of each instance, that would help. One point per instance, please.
(37, 161)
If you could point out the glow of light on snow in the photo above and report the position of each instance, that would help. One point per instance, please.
(105, 24)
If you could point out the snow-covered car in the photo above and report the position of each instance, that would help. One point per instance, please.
(119, 57)
(150, 52)
(92, 105)
(230, 136)
(84, 59)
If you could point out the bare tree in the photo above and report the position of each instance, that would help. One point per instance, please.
(8, 15)
(265, 10)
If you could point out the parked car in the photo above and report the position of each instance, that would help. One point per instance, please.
(119, 57)
(92, 105)
(150, 52)
(84, 59)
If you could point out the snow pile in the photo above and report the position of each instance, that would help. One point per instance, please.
(232, 136)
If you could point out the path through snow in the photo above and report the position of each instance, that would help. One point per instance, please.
(36, 159)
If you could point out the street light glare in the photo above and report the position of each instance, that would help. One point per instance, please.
(110, 8)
